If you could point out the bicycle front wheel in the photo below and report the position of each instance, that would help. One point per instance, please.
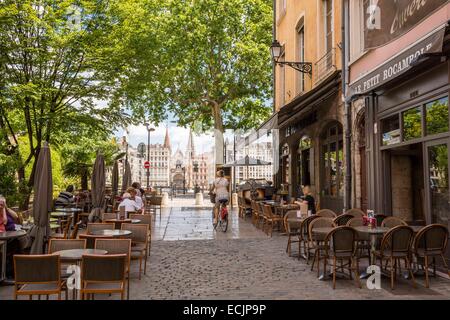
(224, 223)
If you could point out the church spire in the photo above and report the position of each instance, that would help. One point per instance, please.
(190, 149)
(167, 140)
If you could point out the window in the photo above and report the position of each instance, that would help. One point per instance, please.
(391, 130)
(412, 124)
(328, 19)
(437, 116)
(301, 55)
(332, 157)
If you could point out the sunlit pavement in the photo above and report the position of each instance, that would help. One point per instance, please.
(189, 260)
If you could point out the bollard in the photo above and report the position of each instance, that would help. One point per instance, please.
(234, 199)
(199, 199)
(165, 199)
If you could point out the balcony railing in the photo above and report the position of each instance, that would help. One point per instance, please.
(325, 66)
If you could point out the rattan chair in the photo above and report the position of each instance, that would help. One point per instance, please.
(255, 212)
(271, 219)
(145, 219)
(108, 215)
(342, 247)
(104, 274)
(139, 238)
(317, 244)
(431, 242)
(363, 240)
(293, 230)
(259, 208)
(304, 238)
(65, 225)
(99, 226)
(37, 275)
(342, 219)
(395, 246)
(326, 213)
(75, 230)
(391, 222)
(55, 245)
(156, 202)
(117, 246)
(357, 213)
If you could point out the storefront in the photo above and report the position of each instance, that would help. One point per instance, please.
(407, 138)
(311, 144)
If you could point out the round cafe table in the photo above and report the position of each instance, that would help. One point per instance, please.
(7, 236)
(77, 254)
(10, 235)
(111, 233)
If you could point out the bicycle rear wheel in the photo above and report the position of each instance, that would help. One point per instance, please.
(212, 220)
(224, 223)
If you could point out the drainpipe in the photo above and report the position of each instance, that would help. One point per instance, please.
(347, 105)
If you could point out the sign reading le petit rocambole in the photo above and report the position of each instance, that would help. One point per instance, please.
(398, 65)
(386, 20)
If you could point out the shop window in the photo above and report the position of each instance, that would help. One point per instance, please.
(437, 116)
(412, 124)
(391, 130)
(304, 161)
(332, 161)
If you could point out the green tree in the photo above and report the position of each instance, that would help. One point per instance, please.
(51, 59)
(207, 61)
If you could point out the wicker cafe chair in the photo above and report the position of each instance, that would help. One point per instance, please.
(362, 240)
(76, 227)
(117, 246)
(108, 215)
(145, 219)
(240, 207)
(292, 229)
(139, 248)
(260, 209)
(342, 219)
(270, 219)
(396, 245)
(342, 247)
(391, 222)
(317, 244)
(255, 213)
(357, 213)
(37, 275)
(431, 242)
(65, 225)
(65, 244)
(304, 238)
(103, 274)
(326, 213)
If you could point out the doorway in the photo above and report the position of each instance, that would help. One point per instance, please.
(362, 164)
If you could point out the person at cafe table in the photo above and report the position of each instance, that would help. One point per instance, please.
(308, 199)
(135, 196)
(129, 204)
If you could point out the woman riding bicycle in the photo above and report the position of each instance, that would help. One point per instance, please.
(220, 188)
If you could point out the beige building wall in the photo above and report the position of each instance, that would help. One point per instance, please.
(310, 14)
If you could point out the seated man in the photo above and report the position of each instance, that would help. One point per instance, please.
(65, 197)
(129, 204)
(135, 196)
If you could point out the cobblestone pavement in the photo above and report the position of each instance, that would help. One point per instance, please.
(191, 261)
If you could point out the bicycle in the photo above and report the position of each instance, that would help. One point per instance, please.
(222, 219)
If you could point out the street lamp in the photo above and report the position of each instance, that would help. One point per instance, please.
(275, 50)
(149, 129)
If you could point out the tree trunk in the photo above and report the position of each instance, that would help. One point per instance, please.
(218, 134)
(84, 181)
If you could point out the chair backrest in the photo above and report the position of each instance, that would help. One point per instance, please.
(115, 246)
(343, 219)
(304, 227)
(65, 244)
(37, 268)
(398, 239)
(355, 222)
(156, 200)
(108, 215)
(104, 268)
(391, 222)
(267, 211)
(342, 241)
(357, 213)
(76, 227)
(432, 239)
(99, 226)
(139, 231)
(320, 222)
(145, 219)
(290, 214)
(326, 213)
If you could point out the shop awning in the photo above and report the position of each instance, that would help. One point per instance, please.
(428, 47)
(264, 129)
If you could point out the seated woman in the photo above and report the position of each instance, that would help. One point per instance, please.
(3, 215)
(129, 204)
(135, 196)
(308, 199)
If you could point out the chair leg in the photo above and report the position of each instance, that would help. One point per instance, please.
(445, 264)
(392, 273)
(288, 246)
(356, 272)
(427, 283)
(140, 267)
(334, 272)
(145, 263)
(410, 272)
(434, 266)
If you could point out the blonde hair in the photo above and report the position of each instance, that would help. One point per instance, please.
(131, 191)
(306, 190)
(126, 195)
